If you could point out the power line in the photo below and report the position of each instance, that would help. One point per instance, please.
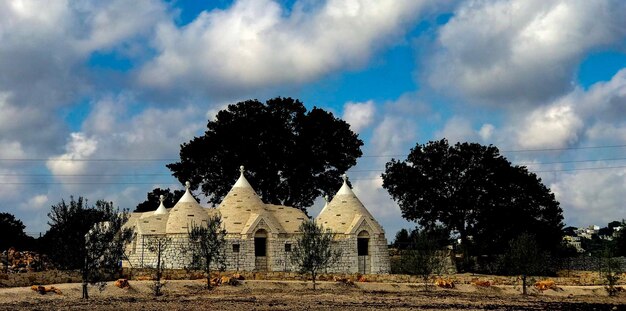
(85, 183)
(88, 160)
(364, 156)
(83, 175)
(352, 171)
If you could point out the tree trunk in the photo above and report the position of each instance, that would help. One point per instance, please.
(157, 289)
(85, 274)
(523, 284)
(208, 275)
(85, 293)
(313, 275)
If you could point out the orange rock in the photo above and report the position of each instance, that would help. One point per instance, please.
(481, 283)
(43, 290)
(122, 283)
(444, 283)
(545, 285)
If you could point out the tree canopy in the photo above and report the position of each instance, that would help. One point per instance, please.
(207, 242)
(12, 232)
(313, 251)
(292, 155)
(104, 246)
(65, 240)
(473, 191)
(152, 202)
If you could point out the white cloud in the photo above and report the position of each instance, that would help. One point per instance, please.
(392, 135)
(457, 129)
(254, 43)
(486, 132)
(11, 149)
(514, 51)
(591, 197)
(152, 133)
(80, 147)
(592, 117)
(359, 115)
(554, 126)
(37, 202)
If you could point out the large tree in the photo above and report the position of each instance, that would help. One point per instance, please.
(69, 222)
(12, 232)
(473, 191)
(292, 155)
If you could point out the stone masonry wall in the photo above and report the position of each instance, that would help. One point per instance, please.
(240, 255)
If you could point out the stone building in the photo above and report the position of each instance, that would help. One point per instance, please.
(260, 236)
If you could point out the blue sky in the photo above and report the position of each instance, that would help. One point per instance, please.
(82, 81)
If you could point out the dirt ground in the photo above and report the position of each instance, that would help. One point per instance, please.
(297, 295)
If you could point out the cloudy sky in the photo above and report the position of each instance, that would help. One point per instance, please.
(97, 96)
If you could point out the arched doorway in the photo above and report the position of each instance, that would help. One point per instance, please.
(260, 250)
(363, 252)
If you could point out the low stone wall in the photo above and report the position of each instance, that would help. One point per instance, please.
(564, 278)
(39, 278)
(587, 263)
(55, 276)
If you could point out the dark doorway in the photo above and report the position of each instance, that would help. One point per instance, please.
(260, 250)
(362, 246)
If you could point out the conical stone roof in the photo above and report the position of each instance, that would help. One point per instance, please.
(343, 211)
(161, 210)
(184, 213)
(239, 204)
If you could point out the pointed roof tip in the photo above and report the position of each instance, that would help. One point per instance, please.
(161, 210)
(187, 197)
(242, 182)
(345, 189)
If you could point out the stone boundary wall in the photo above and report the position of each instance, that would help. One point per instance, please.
(564, 277)
(587, 263)
(39, 278)
(55, 276)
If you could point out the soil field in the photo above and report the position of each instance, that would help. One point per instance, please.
(297, 295)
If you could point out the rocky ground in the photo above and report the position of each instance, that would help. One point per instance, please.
(297, 295)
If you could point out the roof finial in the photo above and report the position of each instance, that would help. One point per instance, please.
(326, 198)
(345, 177)
(241, 169)
(187, 185)
(161, 198)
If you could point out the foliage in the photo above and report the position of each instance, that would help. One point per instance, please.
(524, 257)
(158, 245)
(292, 156)
(424, 255)
(152, 202)
(12, 233)
(402, 240)
(104, 246)
(69, 222)
(473, 191)
(207, 243)
(610, 269)
(620, 241)
(313, 251)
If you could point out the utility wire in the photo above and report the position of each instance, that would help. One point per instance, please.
(364, 156)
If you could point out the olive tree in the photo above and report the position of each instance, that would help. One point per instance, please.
(207, 243)
(104, 247)
(158, 245)
(312, 251)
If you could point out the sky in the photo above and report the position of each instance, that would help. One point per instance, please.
(97, 96)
